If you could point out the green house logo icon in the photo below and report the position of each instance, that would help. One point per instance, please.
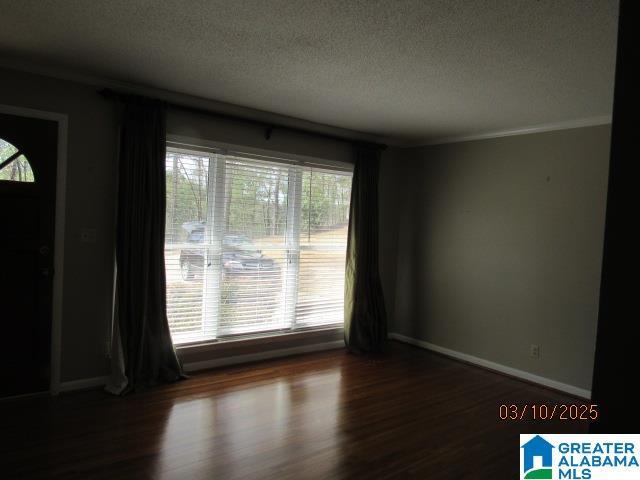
(538, 447)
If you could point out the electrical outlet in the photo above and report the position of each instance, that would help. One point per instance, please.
(534, 352)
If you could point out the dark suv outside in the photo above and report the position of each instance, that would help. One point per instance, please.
(239, 255)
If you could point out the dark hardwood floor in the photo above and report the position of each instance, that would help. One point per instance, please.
(407, 414)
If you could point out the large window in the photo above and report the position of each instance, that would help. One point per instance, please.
(253, 245)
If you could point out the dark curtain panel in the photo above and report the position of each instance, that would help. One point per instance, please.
(146, 349)
(365, 319)
(616, 359)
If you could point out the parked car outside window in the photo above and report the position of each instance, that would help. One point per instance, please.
(240, 256)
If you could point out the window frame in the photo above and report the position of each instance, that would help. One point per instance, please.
(198, 147)
(13, 159)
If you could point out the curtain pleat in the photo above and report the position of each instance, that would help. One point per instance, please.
(365, 317)
(144, 354)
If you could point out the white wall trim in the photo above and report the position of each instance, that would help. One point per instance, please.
(540, 128)
(185, 98)
(83, 384)
(253, 357)
(267, 117)
(58, 251)
(95, 382)
(547, 382)
(25, 396)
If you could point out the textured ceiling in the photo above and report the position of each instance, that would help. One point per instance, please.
(407, 70)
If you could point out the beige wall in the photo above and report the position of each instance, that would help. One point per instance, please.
(499, 246)
(91, 197)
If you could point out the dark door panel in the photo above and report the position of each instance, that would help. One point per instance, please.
(28, 160)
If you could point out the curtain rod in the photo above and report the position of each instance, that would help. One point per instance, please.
(268, 127)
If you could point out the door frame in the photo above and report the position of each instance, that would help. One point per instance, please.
(62, 119)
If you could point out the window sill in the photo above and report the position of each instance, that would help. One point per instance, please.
(194, 353)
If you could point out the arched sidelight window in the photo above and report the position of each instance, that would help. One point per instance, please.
(14, 166)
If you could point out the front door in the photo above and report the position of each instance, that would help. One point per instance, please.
(28, 158)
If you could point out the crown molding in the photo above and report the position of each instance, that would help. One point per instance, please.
(73, 75)
(538, 128)
(186, 99)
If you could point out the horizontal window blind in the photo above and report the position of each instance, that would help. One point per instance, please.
(323, 244)
(253, 246)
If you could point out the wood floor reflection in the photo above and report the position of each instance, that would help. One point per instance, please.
(407, 414)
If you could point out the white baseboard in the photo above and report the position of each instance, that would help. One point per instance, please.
(25, 396)
(547, 382)
(252, 357)
(96, 382)
(83, 384)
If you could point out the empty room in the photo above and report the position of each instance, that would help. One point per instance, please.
(294, 239)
